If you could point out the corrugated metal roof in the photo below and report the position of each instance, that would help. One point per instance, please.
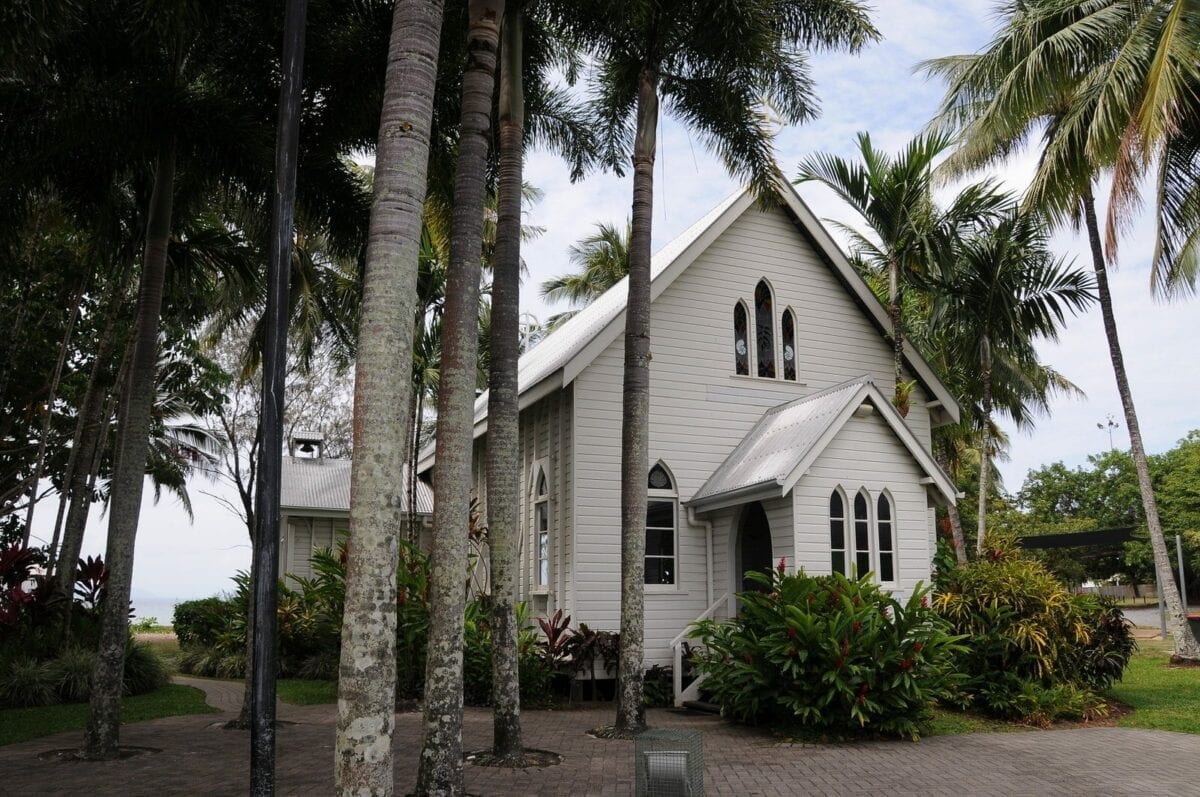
(324, 484)
(561, 345)
(780, 440)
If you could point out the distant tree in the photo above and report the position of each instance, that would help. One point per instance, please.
(602, 260)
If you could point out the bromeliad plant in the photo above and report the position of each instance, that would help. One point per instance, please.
(828, 654)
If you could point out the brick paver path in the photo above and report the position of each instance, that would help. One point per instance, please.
(199, 758)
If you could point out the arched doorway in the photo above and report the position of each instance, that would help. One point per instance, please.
(754, 549)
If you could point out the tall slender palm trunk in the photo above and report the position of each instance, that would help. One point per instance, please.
(441, 763)
(893, 311)
(952, 514)
(985, 444)
(1186, 646)
(635, 419)
(503, 460)
(39, 463)
(104, 710)
(382, 387)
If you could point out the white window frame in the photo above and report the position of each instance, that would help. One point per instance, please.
(845, 519)
(750, 346)
(870, 521)
(795, 347)
(774, 329)
(664, 495)
(540, 503)
(886, 495)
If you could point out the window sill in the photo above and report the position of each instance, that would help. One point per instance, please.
(663, 589)
(770, 380)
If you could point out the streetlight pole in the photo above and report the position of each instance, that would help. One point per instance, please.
(270, 450)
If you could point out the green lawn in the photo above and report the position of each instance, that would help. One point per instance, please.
(300, 692)
(21, 724)
(1163, 697)
(948, 722)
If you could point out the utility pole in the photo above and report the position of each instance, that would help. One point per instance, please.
(270, 450)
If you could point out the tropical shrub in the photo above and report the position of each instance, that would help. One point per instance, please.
(26, 683)
(198, 623)
(73, 674)
(1034, 651)
(828, 654)
(658, 687)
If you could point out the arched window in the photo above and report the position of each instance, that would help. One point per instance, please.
(862, 535)
(741, 344)
(788, 330)
(541, 531)
(837, 532)
(764, 329)
(886, 539)
(662, 512)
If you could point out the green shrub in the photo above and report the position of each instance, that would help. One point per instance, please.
(658, 687)
(27, 683)
(198, 623)
(144, 670)
(828, 654)
(73, 674)
(1034, 651)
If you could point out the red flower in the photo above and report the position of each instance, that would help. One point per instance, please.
(791, 632)
(774, 596)
(918, 647)
(884, 612)
(857, 626)
(906, 665)
(857, 601)
(925, 601)
(862, 693)
(748, 658)
(782, 566)
(792, 652)
(845, 647)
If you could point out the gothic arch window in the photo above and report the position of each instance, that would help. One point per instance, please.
(662, 523)
(741, 339)
(862, 534)
(885, 538)
(764, 329)
(541, 531)
(788, 333)
(837, 532)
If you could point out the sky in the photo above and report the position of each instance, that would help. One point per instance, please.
(875, 91)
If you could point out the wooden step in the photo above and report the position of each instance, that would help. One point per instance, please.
(703, 706)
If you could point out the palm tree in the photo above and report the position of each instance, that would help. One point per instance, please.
(909, 234)
(1043, 71)
(602, 260)
(440, 770)
(367, 673)
(1006, 292)
(717, 66)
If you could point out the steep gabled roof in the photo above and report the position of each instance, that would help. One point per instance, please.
(786, 441)
(323, 485)
(564, 353)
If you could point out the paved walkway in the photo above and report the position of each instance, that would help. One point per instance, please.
(199, 758)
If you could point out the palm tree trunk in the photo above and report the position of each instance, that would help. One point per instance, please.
(956, 529)
(104, 710)
(55, 381)
(441, 764)
(985, 446)
(893, 310)
(635, 420)
(87, 435)
(367, 682)
(502, 453)
(1186, 646)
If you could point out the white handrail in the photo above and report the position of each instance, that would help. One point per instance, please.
(709, 612)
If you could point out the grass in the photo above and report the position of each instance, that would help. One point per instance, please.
(22, 724)
(301, 692)
(1162, 697)
(167, 648)
(949, 722)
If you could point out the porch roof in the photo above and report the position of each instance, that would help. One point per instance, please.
(782, 445)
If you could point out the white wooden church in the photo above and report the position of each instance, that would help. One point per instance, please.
(772, 434)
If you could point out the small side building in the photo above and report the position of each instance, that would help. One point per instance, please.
(315, 503)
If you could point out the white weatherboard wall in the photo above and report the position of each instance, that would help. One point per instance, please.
(305, 535)
(699, 408)
(865, 454)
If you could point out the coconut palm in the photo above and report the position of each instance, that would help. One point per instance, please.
(1044, 71)
(601, 260)
(1006, 292)
(908, 232)
(717, 66)
(367, 674)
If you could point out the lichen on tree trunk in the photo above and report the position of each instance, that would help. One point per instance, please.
(440, 769)
(367, 671)
(635, 419)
